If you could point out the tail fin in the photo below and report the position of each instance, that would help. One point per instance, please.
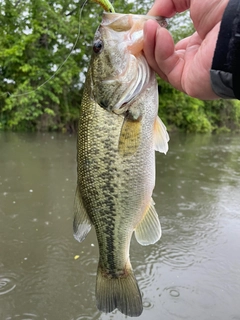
(122, 293)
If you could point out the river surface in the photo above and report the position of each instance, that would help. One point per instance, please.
(192, 273)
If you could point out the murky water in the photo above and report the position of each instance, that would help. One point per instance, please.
(192, 273)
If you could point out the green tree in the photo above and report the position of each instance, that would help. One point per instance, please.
(45, 48)
(36, 37)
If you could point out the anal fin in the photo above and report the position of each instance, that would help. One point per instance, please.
(148, 231)
(81, 222)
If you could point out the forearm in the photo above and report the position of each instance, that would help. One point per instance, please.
(225, 71)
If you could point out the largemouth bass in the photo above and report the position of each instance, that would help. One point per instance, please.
(119, 131)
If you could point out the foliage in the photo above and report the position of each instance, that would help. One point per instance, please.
(188, 114)
(43, 60)
(36, 37)
(182, 111)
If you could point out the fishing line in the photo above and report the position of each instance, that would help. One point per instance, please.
(61, 65)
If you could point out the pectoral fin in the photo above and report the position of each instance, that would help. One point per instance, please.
(129, 139)
(148, 231)
(161, 136)
(81, 223)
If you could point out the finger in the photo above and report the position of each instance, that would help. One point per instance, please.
(160, 53)
(182, 44)
(150, 30)
(169, 61)
(168, 8)
(163, 8)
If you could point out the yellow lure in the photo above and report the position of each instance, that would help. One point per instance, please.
(106, 4)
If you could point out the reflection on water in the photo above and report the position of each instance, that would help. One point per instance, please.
(191, 273)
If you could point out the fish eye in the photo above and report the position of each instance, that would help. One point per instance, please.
(98, 46)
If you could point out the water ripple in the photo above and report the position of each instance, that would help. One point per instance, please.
(25, 316)
(174, 292)
(86, 316)
(88, 260)
(7, 284)
(147, 305)
(178, 257)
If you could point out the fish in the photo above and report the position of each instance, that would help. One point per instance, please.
(118, 133)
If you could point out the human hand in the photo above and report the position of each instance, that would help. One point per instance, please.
(186, 65)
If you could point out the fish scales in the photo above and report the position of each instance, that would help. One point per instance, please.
(106, 179)
(116, 162)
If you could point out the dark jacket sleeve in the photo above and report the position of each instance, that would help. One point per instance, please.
(225, 71)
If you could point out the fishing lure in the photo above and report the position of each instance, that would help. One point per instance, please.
(106, 4)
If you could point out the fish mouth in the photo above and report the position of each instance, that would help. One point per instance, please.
(111, 19)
